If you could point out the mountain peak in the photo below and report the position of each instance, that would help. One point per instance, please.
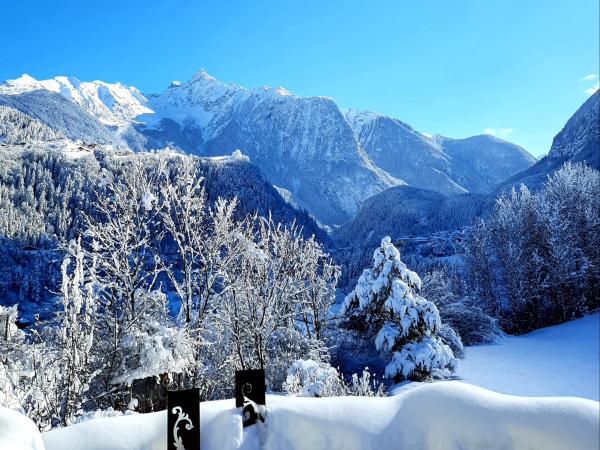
(25, 79)
(283, 91)
(202, 74)
(22, 84)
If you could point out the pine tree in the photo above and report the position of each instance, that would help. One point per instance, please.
(385, 303)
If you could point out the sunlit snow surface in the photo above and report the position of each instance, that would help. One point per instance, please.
(555, 361)
(445, 415)
(17, 432)
(559, 363)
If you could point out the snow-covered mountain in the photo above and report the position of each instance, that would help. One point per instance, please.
(112, 104)
(302, 144)
(578, 141)
(580, 137)
(407, 211)
(330, 161)
(449, 166)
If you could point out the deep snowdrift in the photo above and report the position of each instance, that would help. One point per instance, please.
(445, 415)
(18, 432)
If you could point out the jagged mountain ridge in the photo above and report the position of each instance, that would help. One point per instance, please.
(578, 141)
(448, 166)
(302, 144)
(112, 104)
(306, 146)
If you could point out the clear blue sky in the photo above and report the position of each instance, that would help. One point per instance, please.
(450, 67)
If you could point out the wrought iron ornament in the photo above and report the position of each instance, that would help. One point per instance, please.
(250, 394)
(183, 420)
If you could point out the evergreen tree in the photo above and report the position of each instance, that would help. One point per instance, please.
(386, 303)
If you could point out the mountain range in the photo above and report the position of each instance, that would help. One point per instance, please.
(404, 211)
(326, 160)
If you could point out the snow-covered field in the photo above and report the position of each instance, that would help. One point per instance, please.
(445, 415)
(560, 361)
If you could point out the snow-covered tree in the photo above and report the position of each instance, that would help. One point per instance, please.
(322, 275)
(458, 312)
(205, 245)
(385, 303)
(76, 337)
(185, 217)
(11, 365)
(122, 237)
(535, 261)
(16, 127)
(272, 284)
(30, 371)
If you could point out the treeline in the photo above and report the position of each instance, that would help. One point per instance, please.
(16, 127)
(536, 260)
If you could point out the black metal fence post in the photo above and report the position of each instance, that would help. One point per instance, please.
(183, 420)
(250, 390)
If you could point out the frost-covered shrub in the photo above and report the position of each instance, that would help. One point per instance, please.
(450, 337)
(307, 378)
(385, 304)
(365, 385)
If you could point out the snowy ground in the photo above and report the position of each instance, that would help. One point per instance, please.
(445, 415)
(557, 363)
(560, 361)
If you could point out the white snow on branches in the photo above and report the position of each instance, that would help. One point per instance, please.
(388, 292)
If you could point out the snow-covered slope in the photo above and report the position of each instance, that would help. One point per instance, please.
(560, 360)
(450, 166)
(480, 163)
(17, 127)
(403, 152)
(61, 115)
(578, 141)
(580, 137)
(446, 415)
(17, 432)
(112, 104)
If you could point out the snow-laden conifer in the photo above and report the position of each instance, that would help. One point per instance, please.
(385, 303)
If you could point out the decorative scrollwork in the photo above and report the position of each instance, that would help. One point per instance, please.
(181, 417)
